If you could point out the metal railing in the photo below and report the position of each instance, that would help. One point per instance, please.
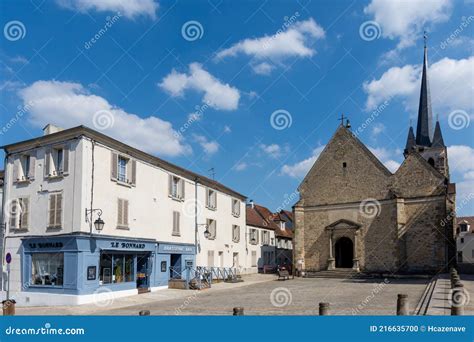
(202, 276)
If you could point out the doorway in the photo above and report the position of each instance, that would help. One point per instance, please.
(144, 267)
(175, 269)
(344, 253)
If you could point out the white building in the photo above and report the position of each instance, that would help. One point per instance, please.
(155, 216)
(465, 242)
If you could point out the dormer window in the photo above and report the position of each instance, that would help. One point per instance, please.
(282, 225)
(464, 227)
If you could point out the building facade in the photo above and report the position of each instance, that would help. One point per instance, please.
(465, 243)
(354, 213)
(155, 218)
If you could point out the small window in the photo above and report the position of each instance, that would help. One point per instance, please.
(19, 212)
(211, 199)
(235, 233)
(463, 227)
(253, 236)
(460, 256)
(25, 166)
(55, 210)
(254, 258)
(163, 266)
(431, 162)
(212, 227)
(210, 258)
(122, 213)
(176, 223)
(176, 187)
(462, 240)
(235, 207)
(344, 165)
(122, 169)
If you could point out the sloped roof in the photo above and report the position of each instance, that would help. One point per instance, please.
(465, 219)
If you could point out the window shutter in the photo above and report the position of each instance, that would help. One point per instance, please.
(133, 169)
(13, 212)
(66, 159)
(214, 223)
(181, 188)
(207, 198)
(25, 208)
(16, 169)
(47, 162)
(113, 166)
(257, 236)
(52, 209)
(215, 199)
(170, 185)
(31, 171)
(176, 218)
(119, 212)
(125, 213)
(59, 209)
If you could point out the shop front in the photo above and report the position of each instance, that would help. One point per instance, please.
(84, 266)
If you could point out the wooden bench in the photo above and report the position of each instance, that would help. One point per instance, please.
(283, 275)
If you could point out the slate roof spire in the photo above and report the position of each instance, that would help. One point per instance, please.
(424, 128)
(437, 136)
(410, 140)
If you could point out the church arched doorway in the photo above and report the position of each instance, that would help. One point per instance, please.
(344, 253)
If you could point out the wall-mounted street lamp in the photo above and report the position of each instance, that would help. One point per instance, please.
(98, 223)
(207, 233)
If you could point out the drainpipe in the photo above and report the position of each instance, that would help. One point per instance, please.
(92, 185)
(196, 182)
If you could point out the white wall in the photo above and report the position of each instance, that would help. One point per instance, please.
(260, 248)
(466, 247)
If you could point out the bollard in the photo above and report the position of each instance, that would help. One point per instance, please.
(402, 305)
(239, 311)
(323, 309)
(144, 313)
(457, 300)
(8, 307)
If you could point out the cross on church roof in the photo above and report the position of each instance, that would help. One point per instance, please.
(342, 119)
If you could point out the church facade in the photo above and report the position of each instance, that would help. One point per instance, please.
(354, 213)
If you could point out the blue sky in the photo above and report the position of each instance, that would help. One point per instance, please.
(251, 89)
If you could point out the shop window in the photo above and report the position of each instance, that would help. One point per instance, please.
(163, 266)
(116, 268)
(47, 269)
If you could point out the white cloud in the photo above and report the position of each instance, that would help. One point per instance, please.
(227, 129)
(216, 94)
(209, 147)
(300, 169)
(128, 8)
(461, 167)
(68, 104)
(377, 129)
(263, 68)
(451, 82)
(273, 150)
(406, 20)
(386, 157)
(294, 42)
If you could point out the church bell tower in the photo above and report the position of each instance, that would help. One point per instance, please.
(428, 143)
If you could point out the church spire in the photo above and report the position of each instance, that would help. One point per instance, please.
(437, 136)
(410, 140)
(424, 128)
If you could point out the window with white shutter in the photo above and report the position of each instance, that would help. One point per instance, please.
(211, 199)
(56, 161)
(176, 187)
(55, 210)
(176, 223)
(18, 211)
(235, 233)
(235, 207)
(212, 227)
(210, 258)
(122, 213)
(253, 233)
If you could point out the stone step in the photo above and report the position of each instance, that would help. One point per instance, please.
(338, 273)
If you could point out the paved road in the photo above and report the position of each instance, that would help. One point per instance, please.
(265, 296)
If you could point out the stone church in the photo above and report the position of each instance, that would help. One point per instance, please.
(353, 213)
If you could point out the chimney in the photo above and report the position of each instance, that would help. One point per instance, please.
(50, 129)
(250, 204)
